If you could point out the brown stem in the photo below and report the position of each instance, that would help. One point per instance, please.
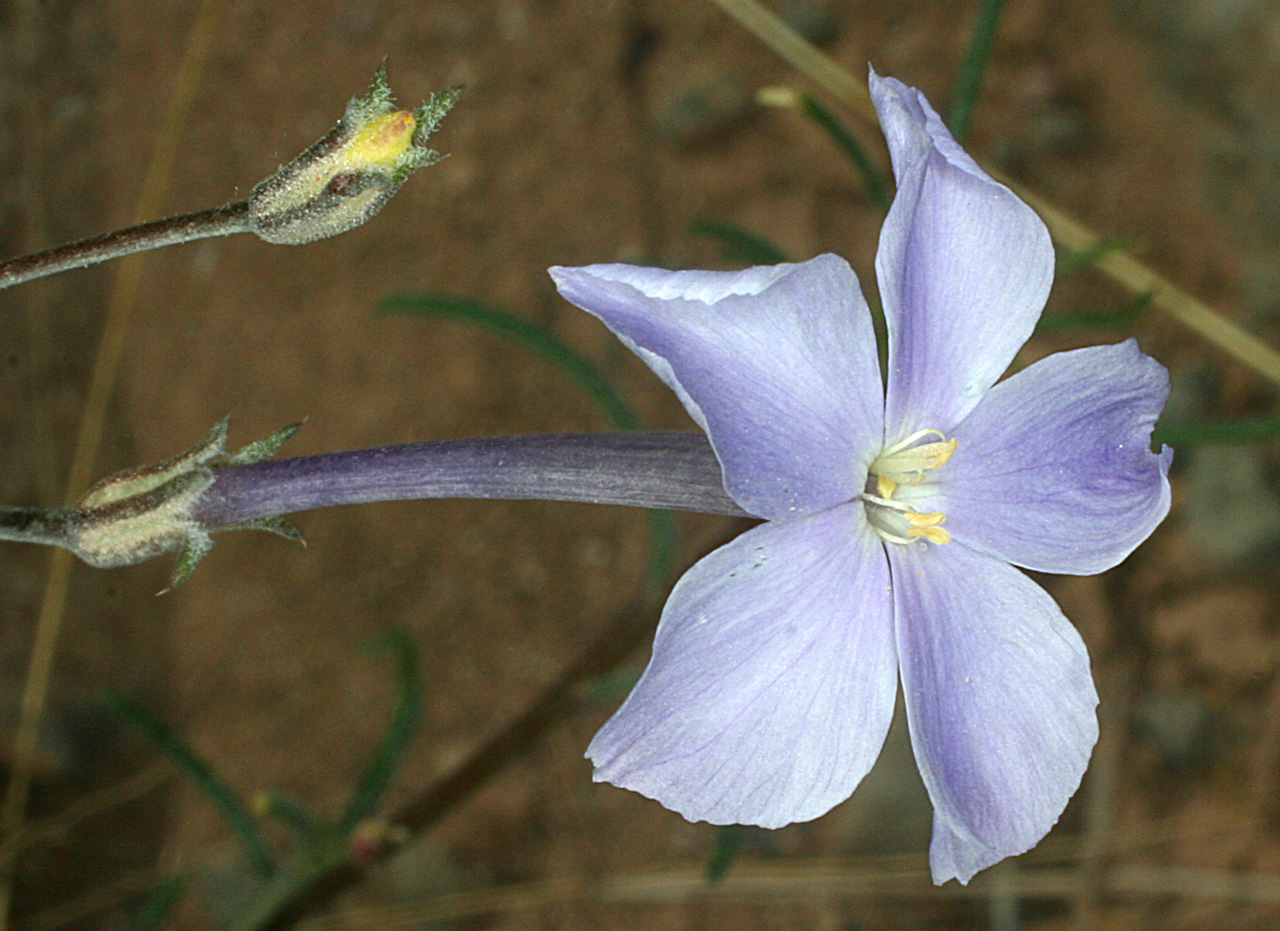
(219, 221)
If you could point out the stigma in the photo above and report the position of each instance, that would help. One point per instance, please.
(906, 463)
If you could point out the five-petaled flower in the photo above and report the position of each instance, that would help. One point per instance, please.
(893, 511)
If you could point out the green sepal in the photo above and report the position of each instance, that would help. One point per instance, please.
(194, 549)
(131, 483)
(264, 448)
(429, 115)
(276, 525)
(378, 98)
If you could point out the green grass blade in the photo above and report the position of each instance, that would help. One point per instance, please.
(728, 846)
(158, 906)
(1083, 258)
(1217, 434)
(849, 145)
(289, 886)
(663, 534)
(229, 805)
(287, 811)
(739, 244)
(404, 720)
(975, 64)
(1122, 316)
(618, 413)
(588, 377)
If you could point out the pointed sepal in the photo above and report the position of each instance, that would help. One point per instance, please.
(193, 549)
(280, 526)
(264, 448)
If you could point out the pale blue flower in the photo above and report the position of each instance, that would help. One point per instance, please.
(891, 518)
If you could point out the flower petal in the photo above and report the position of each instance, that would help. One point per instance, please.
(1054, 469)
(999, 700)
(964, 268)
(777, 364)
(772, 681)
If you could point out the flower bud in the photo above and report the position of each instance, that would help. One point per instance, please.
(143, 512)
(349, 175)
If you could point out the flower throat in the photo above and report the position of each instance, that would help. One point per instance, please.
(905, 463)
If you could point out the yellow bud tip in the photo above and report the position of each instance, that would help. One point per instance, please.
(381, 142)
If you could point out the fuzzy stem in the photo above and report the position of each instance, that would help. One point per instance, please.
(219, 221)
(50, 526)
(673, 471)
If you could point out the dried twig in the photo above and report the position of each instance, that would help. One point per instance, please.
(1118, 265)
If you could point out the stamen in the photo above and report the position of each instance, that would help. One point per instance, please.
(927, 526)
(932, 534)
(907, 466)
(909, 441)
(931, 519)
(899, 506)
(905, 463)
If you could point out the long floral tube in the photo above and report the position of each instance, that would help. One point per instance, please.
(676, 471)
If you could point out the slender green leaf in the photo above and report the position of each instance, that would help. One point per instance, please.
(1083, 258)
(404, 719)
(728, 846)
(1217, 434)
(616, 410)
(286, 888)
(288, 811)
(849, 145)
(157, 908)
(663, 535)
(739, 244)
(975, 63)
(609, 689)
(1122, 316)
(539, 339)
(229, 805)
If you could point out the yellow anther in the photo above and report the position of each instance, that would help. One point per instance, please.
(935, 455)
(932, 534)
(932, 519)
(927, 526)
(886, 486)
(905, 464)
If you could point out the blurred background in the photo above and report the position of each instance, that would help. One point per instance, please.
(592, 132)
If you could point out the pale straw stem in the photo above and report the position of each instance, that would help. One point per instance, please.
(1070, 233)
(110, 351)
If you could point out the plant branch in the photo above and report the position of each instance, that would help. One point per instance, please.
(220, 221)
(1120, 266)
